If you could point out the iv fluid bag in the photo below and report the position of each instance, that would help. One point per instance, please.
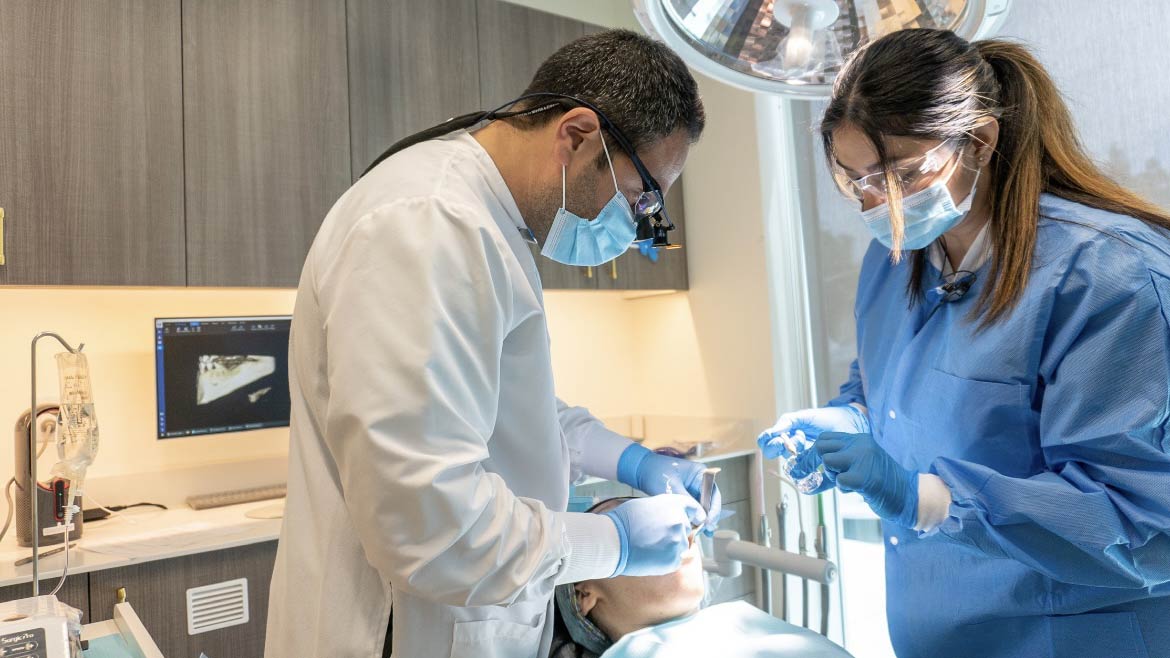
(77, 431)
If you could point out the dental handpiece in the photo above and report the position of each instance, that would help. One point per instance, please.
(706, 493)
(708, 488)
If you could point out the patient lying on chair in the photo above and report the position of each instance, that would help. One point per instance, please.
(661, 616)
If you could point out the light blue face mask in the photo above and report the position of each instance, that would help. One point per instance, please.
(926, 215)
(577, 241)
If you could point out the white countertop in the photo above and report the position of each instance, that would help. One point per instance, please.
(147, 534)
(143, 535)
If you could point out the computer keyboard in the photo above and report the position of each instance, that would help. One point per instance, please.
(225, 498)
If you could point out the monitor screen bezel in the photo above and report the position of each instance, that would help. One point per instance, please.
(159, 388)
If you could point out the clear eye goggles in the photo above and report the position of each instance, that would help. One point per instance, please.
(912, 175)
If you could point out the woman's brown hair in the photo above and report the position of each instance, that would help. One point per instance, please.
(933, 84)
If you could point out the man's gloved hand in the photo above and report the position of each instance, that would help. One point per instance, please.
(860, 464)
(811, 423)
(648, 250)
(654, 533)
(655, 474)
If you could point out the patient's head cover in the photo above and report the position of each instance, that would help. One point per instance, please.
(599, 612)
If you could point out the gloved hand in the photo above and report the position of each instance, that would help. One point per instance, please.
(655, 474)
(811, 423)
(808, 461)
(861, 465)
(654, 533)
(647, 249)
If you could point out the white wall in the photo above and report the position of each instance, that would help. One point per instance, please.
(717, 353)
(593, 353)
(117, 326)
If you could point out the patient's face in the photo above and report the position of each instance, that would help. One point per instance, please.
(626, 603)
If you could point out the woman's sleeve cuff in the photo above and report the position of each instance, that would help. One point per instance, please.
(934, 502)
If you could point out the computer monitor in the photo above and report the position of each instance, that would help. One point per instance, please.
(217, 375)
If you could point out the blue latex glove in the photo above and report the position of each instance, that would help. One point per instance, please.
(654, 533)
(811, 423)
(648, 250)
(651, 473)
(861, 465)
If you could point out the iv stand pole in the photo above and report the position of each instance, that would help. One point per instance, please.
(34, 493)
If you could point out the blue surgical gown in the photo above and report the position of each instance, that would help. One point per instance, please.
(1050, 428)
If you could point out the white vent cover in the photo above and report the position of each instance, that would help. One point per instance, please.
(221, 605)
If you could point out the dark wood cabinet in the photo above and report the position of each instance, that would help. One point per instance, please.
(158, 591)
(202, 143)
(74, 592)
(266, 117)
(412, 65)
(91, 143)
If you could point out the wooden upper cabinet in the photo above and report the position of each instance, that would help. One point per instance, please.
(91, 142)
(513, 42)
(266, 118)
(412, 65)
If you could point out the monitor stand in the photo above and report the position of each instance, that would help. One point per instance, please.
(274, 511)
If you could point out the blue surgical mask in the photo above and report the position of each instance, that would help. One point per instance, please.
(926, 216)
(577, 241)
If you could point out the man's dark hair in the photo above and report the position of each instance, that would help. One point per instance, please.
(640, 84)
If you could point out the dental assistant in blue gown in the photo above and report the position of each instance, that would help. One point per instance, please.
(1007, 414)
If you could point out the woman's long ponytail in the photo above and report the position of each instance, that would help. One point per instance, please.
(1038, 152)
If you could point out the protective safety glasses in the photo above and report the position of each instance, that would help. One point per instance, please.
(913, 175)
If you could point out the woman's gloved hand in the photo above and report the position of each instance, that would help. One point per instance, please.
(860, 464)
(811, 423)
(654, 533)
(652, 473)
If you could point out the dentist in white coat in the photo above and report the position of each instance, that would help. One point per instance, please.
(430, 459)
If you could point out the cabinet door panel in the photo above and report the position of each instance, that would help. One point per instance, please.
(412, 65)
(74, 592)
(266, 116)
(158, 592)
(91, 142)
(513, 42)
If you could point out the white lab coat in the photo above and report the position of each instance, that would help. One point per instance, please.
(430, 459)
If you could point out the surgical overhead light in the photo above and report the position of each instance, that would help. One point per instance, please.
(797, 47)
(810, 48)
